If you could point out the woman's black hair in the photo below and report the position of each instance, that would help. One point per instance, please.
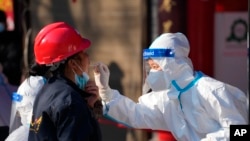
(38, 70)
(47, 71)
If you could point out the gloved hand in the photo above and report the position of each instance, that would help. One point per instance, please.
(101, 75)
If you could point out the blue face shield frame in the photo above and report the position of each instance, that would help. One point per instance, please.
(151, 53)
(155, 53)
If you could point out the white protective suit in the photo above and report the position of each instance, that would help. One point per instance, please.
(27, 92)
(194, 107)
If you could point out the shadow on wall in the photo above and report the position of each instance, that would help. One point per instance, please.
(112, 131)
(116, 75)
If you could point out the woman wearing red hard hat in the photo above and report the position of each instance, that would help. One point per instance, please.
(63, 108)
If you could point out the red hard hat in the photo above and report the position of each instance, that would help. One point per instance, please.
(56, 42)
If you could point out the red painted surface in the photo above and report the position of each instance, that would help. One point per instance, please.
(165, 136)
(231, 5)
(200, 26)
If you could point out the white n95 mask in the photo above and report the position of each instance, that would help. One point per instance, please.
(156, 80)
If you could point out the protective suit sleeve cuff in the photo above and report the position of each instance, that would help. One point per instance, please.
(115, 96)
(106, 94)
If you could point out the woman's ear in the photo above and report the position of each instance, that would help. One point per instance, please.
(72, 64)
(70, 70)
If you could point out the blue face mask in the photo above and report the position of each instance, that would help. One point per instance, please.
(81, 80)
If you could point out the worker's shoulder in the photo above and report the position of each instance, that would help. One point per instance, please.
(211, 83)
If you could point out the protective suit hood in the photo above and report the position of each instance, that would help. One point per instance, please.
(178, 66)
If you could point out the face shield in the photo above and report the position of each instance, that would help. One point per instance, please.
(154, 76)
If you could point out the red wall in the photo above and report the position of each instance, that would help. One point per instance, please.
(231, 5)
(200, 25)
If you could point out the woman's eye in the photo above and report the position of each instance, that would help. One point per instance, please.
(154, 67)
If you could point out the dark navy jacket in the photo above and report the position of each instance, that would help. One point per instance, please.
(61, 114)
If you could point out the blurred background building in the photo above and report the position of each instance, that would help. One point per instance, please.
(120, 29)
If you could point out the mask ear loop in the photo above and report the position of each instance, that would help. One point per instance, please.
(73, 71)
(84, 74)
(79, 67)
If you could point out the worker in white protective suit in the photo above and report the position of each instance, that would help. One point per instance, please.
(188, 103)
(22, 107)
